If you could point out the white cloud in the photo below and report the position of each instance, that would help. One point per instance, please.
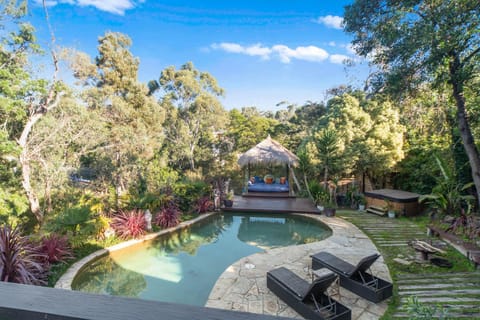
(310, 53)
(284, 53)
(338, 58)
(330, 21)
(253, 50)
(113, 6)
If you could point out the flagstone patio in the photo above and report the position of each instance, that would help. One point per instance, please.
(243, 287)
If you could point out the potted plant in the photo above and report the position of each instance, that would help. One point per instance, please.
(321, 199)
(361, 202)
(330, 208)
(390, 208)
(228, 201)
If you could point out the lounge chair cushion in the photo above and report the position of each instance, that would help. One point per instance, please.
(292, 281)
(301, 288)
(343, 267)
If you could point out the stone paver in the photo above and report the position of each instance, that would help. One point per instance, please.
(242, 286)
(458, 292)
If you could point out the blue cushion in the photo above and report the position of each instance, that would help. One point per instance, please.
(258, 179)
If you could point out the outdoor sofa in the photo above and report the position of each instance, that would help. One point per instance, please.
(259, 185)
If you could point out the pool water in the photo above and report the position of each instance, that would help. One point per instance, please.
(183, 267)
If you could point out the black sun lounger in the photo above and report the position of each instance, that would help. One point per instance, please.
(355, 278)
(307, 299)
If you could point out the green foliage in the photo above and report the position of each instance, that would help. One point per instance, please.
(448, 196)
(13, 205)
(318, 192)
(420, 311)
(188, 192)
(328, 152)
(78, 223)
(193, 113)
(423, 42)
(125, 110)
(158, 176)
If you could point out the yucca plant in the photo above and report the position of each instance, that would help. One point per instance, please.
(129, 224)
(169, 216)
(20, 260)
(56, 248)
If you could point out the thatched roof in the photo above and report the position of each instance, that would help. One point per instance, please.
(267, 152)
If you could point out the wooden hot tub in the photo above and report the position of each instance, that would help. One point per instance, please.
(403, 202)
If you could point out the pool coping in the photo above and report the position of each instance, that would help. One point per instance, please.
(66, 280)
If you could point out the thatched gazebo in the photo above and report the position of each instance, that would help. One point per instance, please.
(267, 153)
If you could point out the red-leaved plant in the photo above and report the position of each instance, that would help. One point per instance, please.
(20, 260)
(56, 248)
(129, 224)
(203, 204)
(169, 216)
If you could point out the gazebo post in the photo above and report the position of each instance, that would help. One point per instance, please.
(247, 177)
(290, 193)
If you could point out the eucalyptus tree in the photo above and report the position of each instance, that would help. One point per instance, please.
(24, 98)
(194, 111)
(413, 42)
(131, 119)
(248, 128)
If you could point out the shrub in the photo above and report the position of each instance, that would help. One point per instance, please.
(78, 223)
(56, 248)
(203, 205)
(129, 224)
(187, 192)
(20, 261)
(169, 216)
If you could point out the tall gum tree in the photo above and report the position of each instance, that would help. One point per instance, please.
(191, 96)
(412, 42)
(24, 99)
(131, 118)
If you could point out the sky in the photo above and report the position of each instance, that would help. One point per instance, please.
(261, 52)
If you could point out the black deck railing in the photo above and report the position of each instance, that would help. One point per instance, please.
(24, 302)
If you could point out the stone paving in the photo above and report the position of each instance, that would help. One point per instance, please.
(243, 287)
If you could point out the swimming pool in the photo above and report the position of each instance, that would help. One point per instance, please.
(183, 266)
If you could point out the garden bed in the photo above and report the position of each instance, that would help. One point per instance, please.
(468, 249)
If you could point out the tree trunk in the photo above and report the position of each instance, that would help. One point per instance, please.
(191, 159)
(325, 178)
(26, 169)
(27, 186)
(464, 127)
(306, 187)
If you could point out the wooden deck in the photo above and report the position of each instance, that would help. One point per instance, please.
(273, 205)
(268, 195)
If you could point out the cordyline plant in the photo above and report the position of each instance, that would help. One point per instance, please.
(56, 248)
(203, 205)
(129, 224)
(169, 216)
(20, 260)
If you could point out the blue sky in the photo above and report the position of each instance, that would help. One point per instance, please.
(261, 52)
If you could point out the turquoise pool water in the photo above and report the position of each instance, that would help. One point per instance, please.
(184, 266)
